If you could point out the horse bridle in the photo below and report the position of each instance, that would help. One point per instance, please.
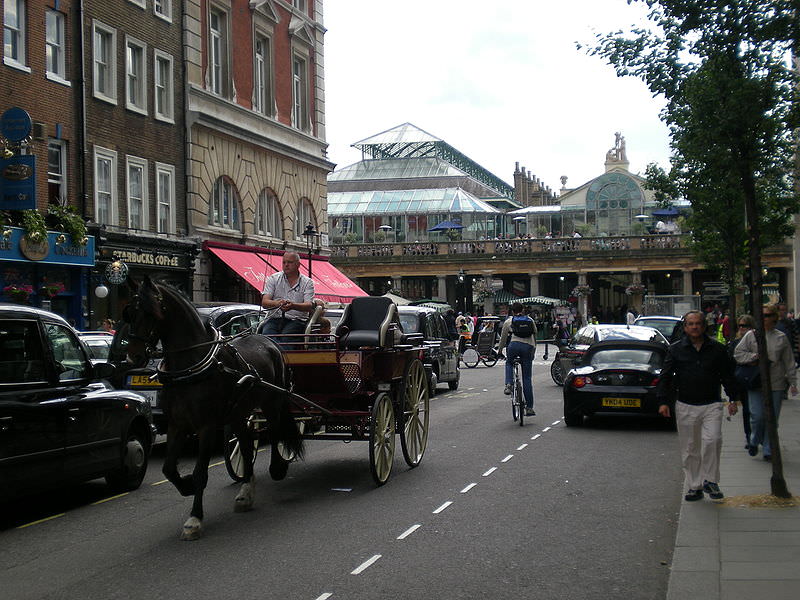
(151, 340)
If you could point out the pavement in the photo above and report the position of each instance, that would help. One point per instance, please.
(732, 552)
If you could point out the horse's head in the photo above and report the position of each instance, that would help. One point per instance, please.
(143, 314)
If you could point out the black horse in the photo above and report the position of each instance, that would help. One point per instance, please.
(201, 373)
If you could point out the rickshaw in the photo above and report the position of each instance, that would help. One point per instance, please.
(482, 345)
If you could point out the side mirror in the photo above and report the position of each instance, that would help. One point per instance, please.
(104, 370)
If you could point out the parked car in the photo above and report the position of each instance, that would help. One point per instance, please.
(441, 349)
(231, 317)
(670, 327)
(98, 343)
(617, 377)
(570, 353)
(60, 420)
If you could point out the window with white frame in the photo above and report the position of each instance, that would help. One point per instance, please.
(303, 216)
(164, 86)
(105, 186)
(218, 51)
(142, 3)
(165, 190)
(262, 79)
(268, 215)
(135, 75)
(137, 192)
(163, 9)
(55, 44)
(57, 172)
(105, 61)
(14, 32)
(299, 5)
(224, 209)
(299, 92)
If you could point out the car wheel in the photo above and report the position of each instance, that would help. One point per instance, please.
(134, 463)
(453, 385)
(556, 372)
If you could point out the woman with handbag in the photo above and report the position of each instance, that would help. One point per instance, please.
(781, 376)
(744, 324)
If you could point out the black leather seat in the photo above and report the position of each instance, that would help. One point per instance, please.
(365, 322)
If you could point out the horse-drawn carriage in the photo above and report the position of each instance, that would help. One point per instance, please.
(365, 382)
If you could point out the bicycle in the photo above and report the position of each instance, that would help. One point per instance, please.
(517, 395)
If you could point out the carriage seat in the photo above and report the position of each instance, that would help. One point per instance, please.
(368, 321)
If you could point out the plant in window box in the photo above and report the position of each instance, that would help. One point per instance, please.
(34, 226)
(18, 293)
(65, 219)
(51, 290)
(635, 288)
(581, 290)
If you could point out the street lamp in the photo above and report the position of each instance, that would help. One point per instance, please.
(309, 233)
(462, 281)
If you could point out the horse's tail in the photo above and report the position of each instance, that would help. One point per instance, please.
(286, 430)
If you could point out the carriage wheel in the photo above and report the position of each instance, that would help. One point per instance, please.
(416, 405)
(381, 438)
(233, 455)
(471, 358)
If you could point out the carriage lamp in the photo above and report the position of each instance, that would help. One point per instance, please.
(309, 233)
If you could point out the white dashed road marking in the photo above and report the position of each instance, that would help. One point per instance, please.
(522, 447)
(468, 488)
(545, 429)
(489, 472)
(408, 531)
(538, 435)
(365, 565)
(324, 596)
(442, 507)
(507, 458)
(555, 422)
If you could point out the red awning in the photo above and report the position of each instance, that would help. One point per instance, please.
(248, 265)
(339, 287)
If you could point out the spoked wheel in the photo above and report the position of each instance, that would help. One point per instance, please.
(520, 400)
(490, 360)
(556, 372)
(471, 358)
(416, 405)
(514, 405)
(381, 436)
(233, 455)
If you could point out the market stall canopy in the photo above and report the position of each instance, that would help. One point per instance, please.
(399, 300)
(506, 297)
(445, 225)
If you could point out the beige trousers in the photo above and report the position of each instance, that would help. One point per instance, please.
(700, 438)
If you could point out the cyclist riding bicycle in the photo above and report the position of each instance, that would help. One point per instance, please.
(520, 332)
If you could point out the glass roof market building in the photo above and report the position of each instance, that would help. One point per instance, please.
(408, 183)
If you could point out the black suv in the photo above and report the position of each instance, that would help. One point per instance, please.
(59, 419)
(441, 348)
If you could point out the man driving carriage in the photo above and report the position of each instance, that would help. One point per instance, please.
(291, 292)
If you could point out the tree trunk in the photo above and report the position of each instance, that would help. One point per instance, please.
(777, 481)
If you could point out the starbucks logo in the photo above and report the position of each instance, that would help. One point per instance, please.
(117, 272)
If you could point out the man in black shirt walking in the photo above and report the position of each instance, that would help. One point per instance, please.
(695, 366)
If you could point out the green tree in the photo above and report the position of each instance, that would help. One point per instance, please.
(724, 68)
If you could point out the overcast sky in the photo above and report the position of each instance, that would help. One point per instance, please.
(501, 81)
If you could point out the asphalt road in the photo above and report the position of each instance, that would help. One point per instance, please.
(494, 511)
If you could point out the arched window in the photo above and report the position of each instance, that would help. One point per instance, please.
(268, 215)
(224, 207)
(303, 216)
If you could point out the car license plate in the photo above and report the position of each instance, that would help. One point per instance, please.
(622, 402)
(151, 395)
(142, 380)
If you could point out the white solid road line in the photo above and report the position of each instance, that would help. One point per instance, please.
(507, 458)
(409, 531)
(489, 472)
(365, 565)
(522, 447)
(468, 488)
(442, 507)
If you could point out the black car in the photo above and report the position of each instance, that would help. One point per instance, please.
(441, 349)
(614, 378)
(229, 317)
(60, 421)
(98, 343)
(570, 352)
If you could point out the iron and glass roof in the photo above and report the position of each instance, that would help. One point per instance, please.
(408, 141)
(396, 202)
(396, 168)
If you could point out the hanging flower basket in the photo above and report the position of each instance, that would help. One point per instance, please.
(18, 293)
(635, 288)
(51, 290)
(581, 290)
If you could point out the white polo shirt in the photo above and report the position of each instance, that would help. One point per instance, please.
(278, 288)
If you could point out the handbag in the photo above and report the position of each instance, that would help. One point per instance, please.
(748, 376)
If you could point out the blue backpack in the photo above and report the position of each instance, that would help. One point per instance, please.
(522, 326)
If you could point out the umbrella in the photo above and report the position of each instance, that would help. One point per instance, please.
(665, 212)
(446, 225)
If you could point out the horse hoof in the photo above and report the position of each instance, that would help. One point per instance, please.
(244, 499)
(192, 529)
(241, 506)
(278, 472)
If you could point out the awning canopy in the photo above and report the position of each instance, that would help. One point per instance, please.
(506, 297)
(330, 284)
